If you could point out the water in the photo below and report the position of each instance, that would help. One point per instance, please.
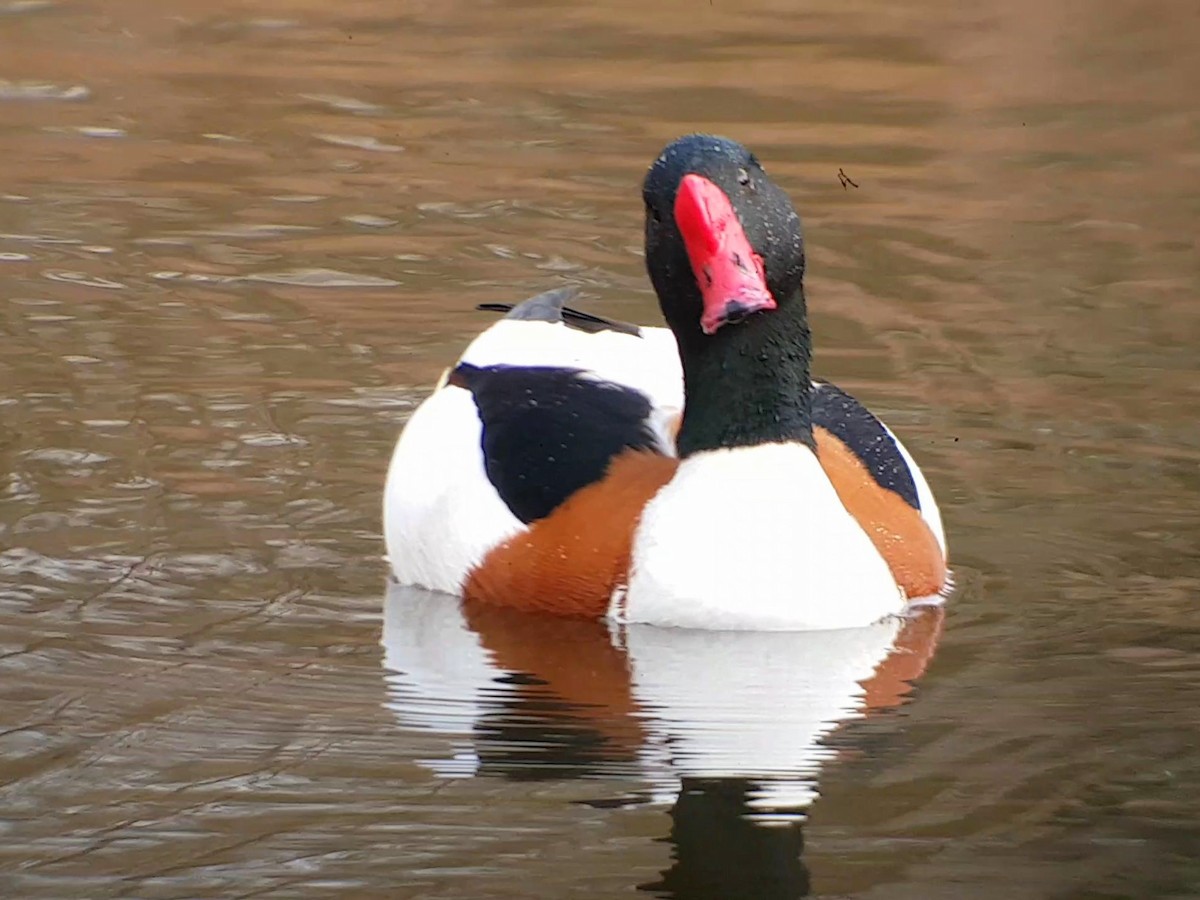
(237, 245)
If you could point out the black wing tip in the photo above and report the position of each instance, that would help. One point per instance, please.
(544, 307)
(550, 306)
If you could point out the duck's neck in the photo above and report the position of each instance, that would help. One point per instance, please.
(749, 383)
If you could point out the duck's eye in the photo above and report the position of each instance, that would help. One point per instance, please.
(743, 177)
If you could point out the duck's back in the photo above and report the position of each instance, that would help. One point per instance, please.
(533, 411)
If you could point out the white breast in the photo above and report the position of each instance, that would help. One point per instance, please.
(754, 538)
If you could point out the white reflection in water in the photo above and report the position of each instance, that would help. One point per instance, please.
(443, 679)
(675, 704)
(749, 704)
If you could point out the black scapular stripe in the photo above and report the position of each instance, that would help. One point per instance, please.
(852, 423)
(547, 432)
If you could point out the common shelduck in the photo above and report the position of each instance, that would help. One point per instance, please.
(693, 477)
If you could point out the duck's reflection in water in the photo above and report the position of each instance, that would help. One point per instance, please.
(726, 727)
(720, 852)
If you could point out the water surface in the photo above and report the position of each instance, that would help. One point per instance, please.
(238, 243)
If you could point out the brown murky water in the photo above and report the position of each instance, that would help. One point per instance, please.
(238, 240)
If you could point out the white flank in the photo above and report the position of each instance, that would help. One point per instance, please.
(441, 514)
(755, 538)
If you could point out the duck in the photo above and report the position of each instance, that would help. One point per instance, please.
(692, 476)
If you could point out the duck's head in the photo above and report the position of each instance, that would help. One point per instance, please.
(723, 241)
(725, 254)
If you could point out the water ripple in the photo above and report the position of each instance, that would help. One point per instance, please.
(41, 90)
